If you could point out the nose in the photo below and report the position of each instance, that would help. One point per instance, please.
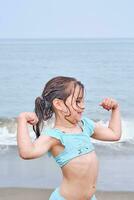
(82, 108)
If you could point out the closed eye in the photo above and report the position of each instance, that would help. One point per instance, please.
(78, 101)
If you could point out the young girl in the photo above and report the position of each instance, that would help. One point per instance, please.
(69, 140)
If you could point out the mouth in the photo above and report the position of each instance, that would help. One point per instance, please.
(79, 113)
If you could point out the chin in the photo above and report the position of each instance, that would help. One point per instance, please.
(75, 120)
(78, 119)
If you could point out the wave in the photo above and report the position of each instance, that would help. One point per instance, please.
(8, 131)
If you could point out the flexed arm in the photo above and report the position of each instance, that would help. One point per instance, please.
(114, 129)
(27, 148)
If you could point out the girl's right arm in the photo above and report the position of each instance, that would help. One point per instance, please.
(27, 148)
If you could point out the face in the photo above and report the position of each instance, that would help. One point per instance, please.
(75, 105)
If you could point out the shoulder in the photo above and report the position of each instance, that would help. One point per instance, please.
(89, 125)
(54, 136)
(51, 134)
(88, 121)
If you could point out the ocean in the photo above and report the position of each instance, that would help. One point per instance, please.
(104, 66)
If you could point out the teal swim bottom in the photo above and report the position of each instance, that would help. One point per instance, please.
(56, 195)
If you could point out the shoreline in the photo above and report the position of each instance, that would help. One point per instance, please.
(14, 193)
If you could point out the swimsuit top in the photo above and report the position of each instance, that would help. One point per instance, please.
(75, 144)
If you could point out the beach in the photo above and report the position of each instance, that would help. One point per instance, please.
(43, 194)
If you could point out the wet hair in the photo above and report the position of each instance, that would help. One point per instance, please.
(59, 87)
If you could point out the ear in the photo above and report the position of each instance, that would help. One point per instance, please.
(58, 104)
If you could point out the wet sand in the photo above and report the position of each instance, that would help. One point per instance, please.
(43, 194)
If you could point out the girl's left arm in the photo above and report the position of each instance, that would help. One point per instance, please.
(114, 129)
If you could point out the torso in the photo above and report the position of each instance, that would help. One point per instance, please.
(79, 175)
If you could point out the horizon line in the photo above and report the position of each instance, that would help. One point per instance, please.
(63, 38)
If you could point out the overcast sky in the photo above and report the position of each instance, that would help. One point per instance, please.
(66, 18)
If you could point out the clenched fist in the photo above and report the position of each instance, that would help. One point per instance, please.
(109, 104)
(30, 117)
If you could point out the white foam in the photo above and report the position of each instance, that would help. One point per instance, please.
(8, 135)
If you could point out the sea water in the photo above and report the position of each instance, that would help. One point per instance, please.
(104, 66)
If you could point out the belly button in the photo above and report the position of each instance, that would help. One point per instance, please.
(92, 186)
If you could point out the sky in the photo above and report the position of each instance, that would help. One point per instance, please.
(66, 18)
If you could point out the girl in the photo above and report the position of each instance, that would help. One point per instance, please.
(69, 140)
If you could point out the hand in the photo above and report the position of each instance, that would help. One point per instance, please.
(109, 103)
(30, 117)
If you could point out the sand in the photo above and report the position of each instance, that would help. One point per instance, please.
(43, 194)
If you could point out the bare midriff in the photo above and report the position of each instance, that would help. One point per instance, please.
(79, 177)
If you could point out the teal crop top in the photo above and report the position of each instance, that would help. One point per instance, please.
(75, 144)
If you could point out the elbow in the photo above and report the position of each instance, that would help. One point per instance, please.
(25, 156)
(116, 139)
(117, 136)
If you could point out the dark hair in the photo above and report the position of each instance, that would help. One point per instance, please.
(58, 87)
